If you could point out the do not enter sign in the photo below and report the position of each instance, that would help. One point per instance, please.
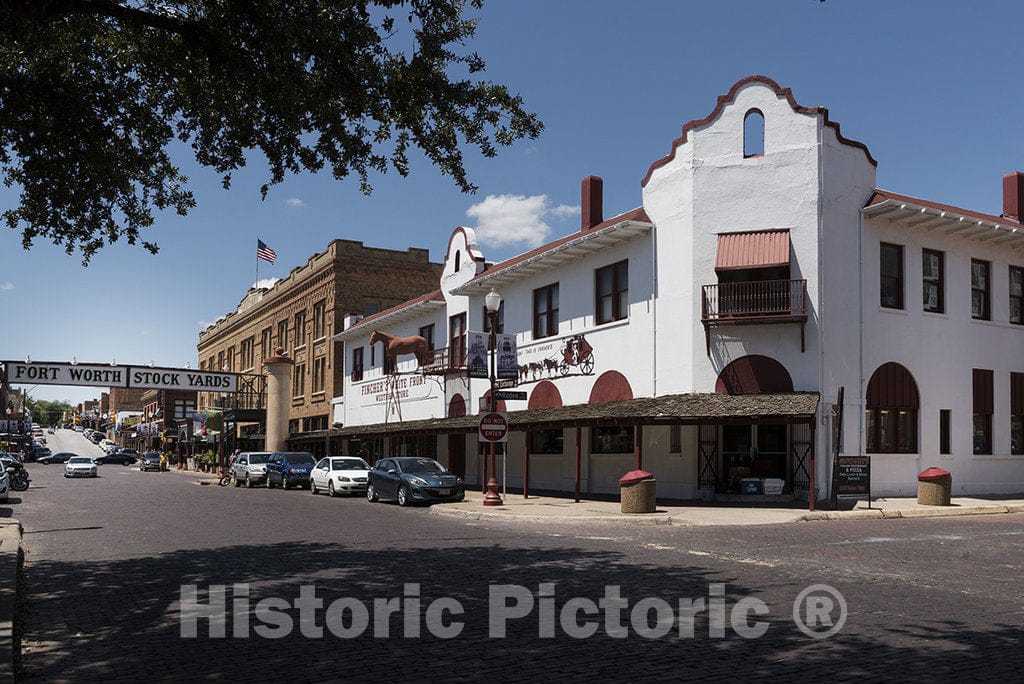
(493, 427)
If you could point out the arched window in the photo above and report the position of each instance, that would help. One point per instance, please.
(457, 406)
(890, 411)
(753, 134)
(458, 260)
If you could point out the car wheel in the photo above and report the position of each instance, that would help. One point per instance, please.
(330, 489)
(126, 462)
(270, 483)
(284, 483)
(403, 496)
(370, 494)
(248, 482)
(312, 487)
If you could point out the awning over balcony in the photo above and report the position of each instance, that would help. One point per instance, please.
(762, 249)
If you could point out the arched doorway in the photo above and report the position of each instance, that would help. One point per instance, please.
(754, 450)
(890, 410)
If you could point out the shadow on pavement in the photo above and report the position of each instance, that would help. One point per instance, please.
(120, 619)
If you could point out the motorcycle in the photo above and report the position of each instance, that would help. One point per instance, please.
(18, 476)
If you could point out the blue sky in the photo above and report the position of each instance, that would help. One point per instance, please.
(932, 87)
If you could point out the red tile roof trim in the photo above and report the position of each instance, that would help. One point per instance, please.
(730, 96)
(433, 296)
(880, 196)
(635, 215)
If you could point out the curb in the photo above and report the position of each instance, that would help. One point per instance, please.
(612, 518)
(894, 513)
(10, 562)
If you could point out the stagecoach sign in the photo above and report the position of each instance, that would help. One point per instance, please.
(97, 375)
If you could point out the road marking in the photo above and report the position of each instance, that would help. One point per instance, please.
(928, 538)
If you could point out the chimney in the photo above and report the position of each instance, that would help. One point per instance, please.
(351, 318)
(1013, 196)
(592, 209)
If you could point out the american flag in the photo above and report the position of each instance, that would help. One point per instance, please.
(264, 252)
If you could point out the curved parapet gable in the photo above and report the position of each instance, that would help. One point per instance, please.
(728, 98)
(463, 259)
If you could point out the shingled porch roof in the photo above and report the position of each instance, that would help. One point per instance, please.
(675, 409)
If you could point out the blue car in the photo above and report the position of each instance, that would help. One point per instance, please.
(289, 468)
(409, 479)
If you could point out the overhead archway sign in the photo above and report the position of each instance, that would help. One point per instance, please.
(106, 375)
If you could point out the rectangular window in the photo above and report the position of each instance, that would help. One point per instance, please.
(611, 290)
(427, 333)
(1017, 295)
(282, 334)
(293, 426)
(500, 327)
(220, 361)
(300, 329)
(357, 364)
(183, 408)
(546, 441)
(980, 290)
(320, 319)
(611, 440)
(373, 355)
(246, 353)
(545, 311)
(1017, 413)
(319, 374)
(983, 407)
(457, 340)
(891, 272)
(299, 381)
(933, 271)
(944, 420)
(266, 342)
(230, 359)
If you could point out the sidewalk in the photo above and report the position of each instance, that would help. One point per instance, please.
(201, 478)
(558, 510)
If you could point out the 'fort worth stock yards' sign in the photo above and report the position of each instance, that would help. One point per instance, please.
(105, 375)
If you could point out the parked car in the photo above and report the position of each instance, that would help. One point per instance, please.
(250, 468)
(409, 479)
(81, 466)
(339, 474)
(59, 457)
(130, 452)
(37, 453)
(97, 437)
(5, 486)
(120, 457)
(150, 461)
(289, 468)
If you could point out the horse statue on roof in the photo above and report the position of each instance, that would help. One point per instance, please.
(395, 346)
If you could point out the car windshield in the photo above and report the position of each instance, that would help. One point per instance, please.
(80, 459)
(301, 459)
(421, 465)
(257, 459)
(348, 464)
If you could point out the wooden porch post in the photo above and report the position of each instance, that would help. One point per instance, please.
(638, 436)
(814, 455)
(526, 465)
(579, 432)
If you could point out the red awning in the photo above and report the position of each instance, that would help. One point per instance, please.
(762, 249)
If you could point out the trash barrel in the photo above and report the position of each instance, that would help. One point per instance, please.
(637, 492)
(934, 487)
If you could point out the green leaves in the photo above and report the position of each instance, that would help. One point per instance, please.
(93, 92)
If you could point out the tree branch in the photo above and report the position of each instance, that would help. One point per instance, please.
(130, 16)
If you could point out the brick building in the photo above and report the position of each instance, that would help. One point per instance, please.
(162, 410)
(126, 399)
(301, 312)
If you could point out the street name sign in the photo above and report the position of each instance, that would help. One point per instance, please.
(506, 395)
(493, 427)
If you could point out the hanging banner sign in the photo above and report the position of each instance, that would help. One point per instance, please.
(508, 357)
(96, 375)
(476, 356)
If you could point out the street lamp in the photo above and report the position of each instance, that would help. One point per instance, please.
(492, 302)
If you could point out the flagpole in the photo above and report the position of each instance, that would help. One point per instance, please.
(257, 263)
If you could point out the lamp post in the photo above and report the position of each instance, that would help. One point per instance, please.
(492, 302)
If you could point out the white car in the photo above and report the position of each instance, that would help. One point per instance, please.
(80, 466)
(345, 474)
(5, 485)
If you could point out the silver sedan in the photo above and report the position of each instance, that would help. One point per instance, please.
(80, 466)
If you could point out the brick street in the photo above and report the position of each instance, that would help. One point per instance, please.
(928, 598)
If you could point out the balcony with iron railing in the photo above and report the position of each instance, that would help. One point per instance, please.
(754, 302)
(446, 360)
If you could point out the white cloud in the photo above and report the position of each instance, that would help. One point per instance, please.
(294, 202)
(566, 210)
(504, 220)
(7, 285)
(265, 283)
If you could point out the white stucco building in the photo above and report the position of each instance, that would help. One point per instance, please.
(707, 334)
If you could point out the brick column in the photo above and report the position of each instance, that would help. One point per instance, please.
(279, 393)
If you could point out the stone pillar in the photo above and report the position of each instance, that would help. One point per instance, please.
(279, 394)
